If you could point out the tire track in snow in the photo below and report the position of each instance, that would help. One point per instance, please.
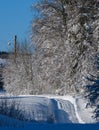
(77, 115)
(61, 116)
(69, 109)
(72, 100)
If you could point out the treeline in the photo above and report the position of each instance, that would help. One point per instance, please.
(4, 54)
(65, 37)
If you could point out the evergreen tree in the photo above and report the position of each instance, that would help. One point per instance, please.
(93, 90)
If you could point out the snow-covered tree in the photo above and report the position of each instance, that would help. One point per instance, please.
(92, 90)
(65, 44)
(83, 41)
(18, 76)
(50, 34)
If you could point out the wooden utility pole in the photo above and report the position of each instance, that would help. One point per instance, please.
(15, 47)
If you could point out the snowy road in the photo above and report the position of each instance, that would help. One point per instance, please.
(53, 109)
(64, 111)
(48, 109)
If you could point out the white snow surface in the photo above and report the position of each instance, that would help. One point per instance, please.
(49, 109)
(2, 61)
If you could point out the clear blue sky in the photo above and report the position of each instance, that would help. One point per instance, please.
(15, 19)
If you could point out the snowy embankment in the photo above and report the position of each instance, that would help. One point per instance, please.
(49, 109)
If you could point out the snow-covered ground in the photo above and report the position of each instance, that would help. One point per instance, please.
(48, 109)
(2, 62)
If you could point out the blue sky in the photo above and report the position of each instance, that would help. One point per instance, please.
(15, 19)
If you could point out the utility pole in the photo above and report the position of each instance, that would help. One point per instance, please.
(15, 48)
